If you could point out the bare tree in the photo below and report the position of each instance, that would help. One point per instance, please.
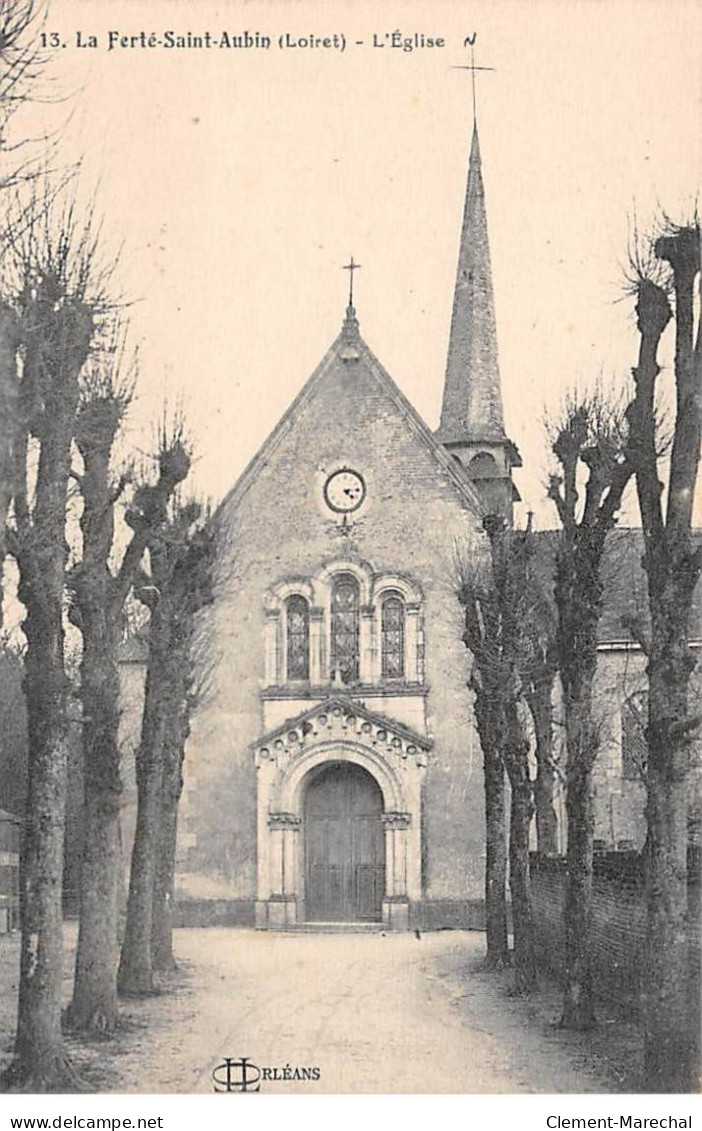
(9, 416)
(590, 442)
(494, 616)
(511, 552)
(538, 668)
(21, 63)
(58, 295)
(672, 565)
(162, 710)
(176, 735)
(13, 728)
(184, 591)
(99, 593)
(484, 683)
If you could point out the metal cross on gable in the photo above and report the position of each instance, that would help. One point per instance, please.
(351, 267)
(470, 42)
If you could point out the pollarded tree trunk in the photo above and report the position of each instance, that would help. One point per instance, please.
(669, 1003)
(94, 1004)
(578, 1001)
(162, 927)
(95, 611)
(171, 789)
(162, 955)
(179, 586)
(135, 976)
(541, 708)
(521, 812)
(505, 620)
(57, 341)
(490, 682)
(671, 1044)
(497, 954)
(9, 412)
(40, 1060)
(98, 602)
(592, 439)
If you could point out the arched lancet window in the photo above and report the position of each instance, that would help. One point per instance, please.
(298, 638)
(345, 627)
(392, 632)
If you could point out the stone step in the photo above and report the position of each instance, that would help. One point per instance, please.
(338, 928)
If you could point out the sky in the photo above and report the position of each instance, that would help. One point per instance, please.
(240, 181)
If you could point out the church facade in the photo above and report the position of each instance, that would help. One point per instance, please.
(334, 773)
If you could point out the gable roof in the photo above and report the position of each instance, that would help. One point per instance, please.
(349, 348)
(348, 707)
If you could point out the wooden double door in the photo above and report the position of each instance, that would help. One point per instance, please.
(344, 845)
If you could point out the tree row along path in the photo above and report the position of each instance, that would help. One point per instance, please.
(373, 1012)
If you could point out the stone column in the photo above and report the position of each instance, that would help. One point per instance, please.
(396, 903)
(389, 861)
(276, 860)
(317, 649)
(282, 905)
(266, 768)
(272, 648)
(366, 665)
(412, 643)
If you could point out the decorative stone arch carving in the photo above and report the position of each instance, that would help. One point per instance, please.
(275, 597)
(317, 591)
(323, 582)
(361, 570)
(397, 582)
(287, 797)
(336, 731)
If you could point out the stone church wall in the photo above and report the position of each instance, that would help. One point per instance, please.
(414, 522)
(619, 802)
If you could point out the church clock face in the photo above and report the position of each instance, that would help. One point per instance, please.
(344, 491)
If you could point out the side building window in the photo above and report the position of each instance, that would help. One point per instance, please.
(634, 748)
(392, 629)
(345, 628)
(297, 627)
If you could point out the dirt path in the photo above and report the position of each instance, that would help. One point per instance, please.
(373, 1013)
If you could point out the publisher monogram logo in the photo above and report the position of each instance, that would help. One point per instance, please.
(236, 1076)
(242, 1075)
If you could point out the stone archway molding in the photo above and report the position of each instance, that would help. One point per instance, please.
(336, 730)
(288, 797)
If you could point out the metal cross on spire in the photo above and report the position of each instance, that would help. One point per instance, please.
(469, 41)
(351, 267)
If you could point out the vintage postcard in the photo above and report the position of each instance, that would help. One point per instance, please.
(350, 363)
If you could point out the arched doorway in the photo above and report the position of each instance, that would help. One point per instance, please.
(344, 845)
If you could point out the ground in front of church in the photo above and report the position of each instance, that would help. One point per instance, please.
(371, 1012)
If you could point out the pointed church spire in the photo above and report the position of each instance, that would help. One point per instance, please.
(472, 404)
